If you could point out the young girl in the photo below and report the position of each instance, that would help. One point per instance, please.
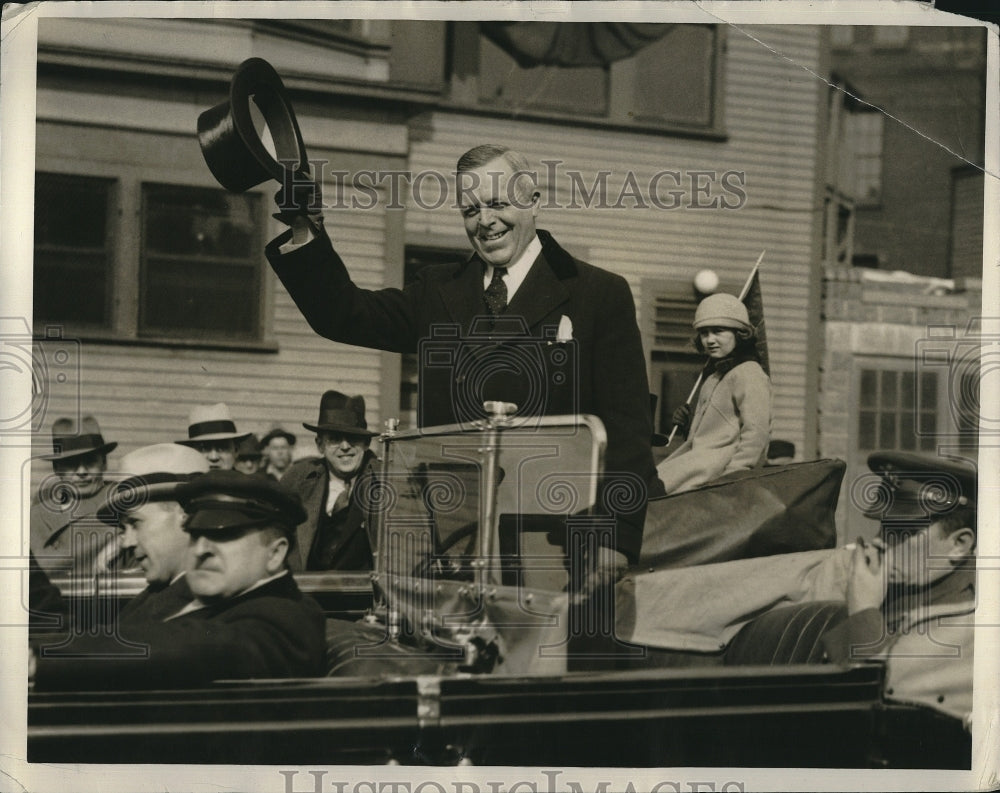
(732, 415)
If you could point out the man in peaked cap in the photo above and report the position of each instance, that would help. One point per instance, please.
(64, 534)
(919, 570)
(212, 431)
(333, 535)
(152, 524)
(277, 447)
(247, 618)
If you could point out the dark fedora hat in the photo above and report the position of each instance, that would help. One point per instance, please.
(72, 440)
(341, 413)
(249, 447)
(230, 140)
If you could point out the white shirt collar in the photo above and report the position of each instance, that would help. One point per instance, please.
(517, 271)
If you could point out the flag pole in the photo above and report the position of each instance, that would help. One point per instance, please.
(697, 383)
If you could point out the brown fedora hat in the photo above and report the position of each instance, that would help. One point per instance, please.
(230, 140)
(341, 413)
(70, 440)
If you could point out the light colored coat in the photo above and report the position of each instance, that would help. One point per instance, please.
(730, 429)
(928, 660)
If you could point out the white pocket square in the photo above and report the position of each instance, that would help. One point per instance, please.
(565, 331)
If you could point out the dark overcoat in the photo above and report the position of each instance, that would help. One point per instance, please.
(269, 632)
(308, 478)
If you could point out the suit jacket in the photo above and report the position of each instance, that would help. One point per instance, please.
(308, 478)
(157, 602)
(271, 631)
(464, 359)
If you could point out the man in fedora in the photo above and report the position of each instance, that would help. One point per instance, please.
(212, 431)
(145, 506)
(247, 617)
(64, 534)
(277, 447)
(333, 535)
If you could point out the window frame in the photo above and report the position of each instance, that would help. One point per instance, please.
(125, 252)
(461, 92)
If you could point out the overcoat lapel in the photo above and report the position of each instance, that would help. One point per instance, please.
(463, 294)
(540, 293)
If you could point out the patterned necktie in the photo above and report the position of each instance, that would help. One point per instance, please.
(496, 293)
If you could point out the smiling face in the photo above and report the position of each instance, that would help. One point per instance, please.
(498, 212)
(343, 453)
(155, 531)
(85, 472)
(717, 342)
(224, 562)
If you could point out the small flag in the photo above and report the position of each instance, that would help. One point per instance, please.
(755, 308)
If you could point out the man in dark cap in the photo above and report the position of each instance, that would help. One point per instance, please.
(248, 618)
(277, 447)
(64, 534)
(920, 569)
(333, 535)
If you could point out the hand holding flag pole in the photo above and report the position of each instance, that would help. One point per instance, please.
(755, 308)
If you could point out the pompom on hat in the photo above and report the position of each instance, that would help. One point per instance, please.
(722, 310)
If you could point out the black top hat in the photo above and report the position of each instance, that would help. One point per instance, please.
(277, 432)
(220, 500)
(70, 440)
(229, 139)
(921, 486)
(341, 413)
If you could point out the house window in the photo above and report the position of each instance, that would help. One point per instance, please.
(672, 83)
(72, 280)
(117, 259)
(890, 35)
(200, 270)
(898, 409)
(865, 129)
(674, 363)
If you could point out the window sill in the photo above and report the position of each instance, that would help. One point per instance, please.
(594, 122)
(95, 337)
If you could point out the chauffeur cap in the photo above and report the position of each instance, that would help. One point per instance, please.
(221, 500)
(920, 486)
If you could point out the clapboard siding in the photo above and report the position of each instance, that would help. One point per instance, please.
(772, 106)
